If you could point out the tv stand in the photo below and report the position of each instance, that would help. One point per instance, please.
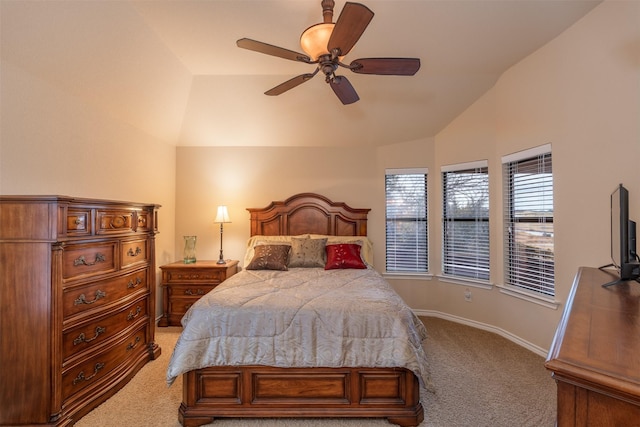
(620, 280)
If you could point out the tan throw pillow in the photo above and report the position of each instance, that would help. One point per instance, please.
(270, 257)
(307, 253)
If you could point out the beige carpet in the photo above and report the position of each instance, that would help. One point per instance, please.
(480, 379)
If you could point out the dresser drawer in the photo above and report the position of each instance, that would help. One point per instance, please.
(134, 252)
(79, 222)
(98, 368)
(195, 275)
(78, 299)
(87, 260)
(144, 221)
(114, 221)
(100, 330)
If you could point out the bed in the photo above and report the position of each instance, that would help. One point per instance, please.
(308, 357)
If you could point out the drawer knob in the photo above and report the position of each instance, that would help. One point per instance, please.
(133, 284)
(197, 292)
(82, 299)
(133, 315)
(137, 252)
(82, 338)
(82, 261)
(133, 344)
(81, 376)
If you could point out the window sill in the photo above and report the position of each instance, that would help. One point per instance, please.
(476, 283)
(407, 276)
(545, 301)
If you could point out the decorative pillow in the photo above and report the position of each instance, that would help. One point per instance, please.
(343, 255)
(366, 247)
(307, 253)
(264, 240)
(270, 257)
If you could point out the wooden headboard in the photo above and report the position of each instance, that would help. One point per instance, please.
(308, 213)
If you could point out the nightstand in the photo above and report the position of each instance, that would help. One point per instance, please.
(183, 284)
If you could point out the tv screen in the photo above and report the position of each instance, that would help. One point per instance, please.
(623, 236)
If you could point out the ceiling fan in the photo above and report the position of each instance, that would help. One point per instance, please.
(326, 44)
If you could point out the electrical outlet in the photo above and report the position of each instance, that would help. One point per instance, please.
(467, 295)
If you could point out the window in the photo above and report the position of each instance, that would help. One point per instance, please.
(465, 249)
(406, 220)
(528, 220)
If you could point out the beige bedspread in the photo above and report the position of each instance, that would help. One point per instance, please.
(304, 317)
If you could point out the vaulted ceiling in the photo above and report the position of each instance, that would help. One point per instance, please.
(172, 69)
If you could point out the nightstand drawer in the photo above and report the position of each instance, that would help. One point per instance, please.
(195, 275)
(186, 291)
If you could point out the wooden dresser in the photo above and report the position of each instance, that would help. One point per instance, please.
(595, 355)
(183, 284)
(77, 304)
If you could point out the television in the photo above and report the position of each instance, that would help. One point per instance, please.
(623, 238)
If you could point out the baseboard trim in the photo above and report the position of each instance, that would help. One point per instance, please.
(486, 327)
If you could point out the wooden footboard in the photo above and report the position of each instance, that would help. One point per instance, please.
(268, 392)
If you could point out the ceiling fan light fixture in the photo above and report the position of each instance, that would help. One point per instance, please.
(314, 40)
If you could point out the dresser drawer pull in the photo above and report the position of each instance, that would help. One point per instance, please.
(133, 284)
(137, 252)
(133, 315)
(190, 292)
(118, 222)
(82, 338)
(134, 344)
(78, 221)
(82, 299)
(82, 261)
(81, 376)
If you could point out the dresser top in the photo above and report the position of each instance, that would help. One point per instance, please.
(598, 338)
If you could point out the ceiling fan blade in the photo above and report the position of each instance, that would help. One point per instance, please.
(351, 23)
(269, 49)
(386, 66)
(343, 90)
(289, 84)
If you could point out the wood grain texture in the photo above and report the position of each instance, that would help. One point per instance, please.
(78, 312)
(595, 355)
(262, 391)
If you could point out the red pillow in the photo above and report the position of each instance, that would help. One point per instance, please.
(343, 255)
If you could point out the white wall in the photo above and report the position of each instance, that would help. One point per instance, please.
(581, 93)
(54, 143)
(253, 177)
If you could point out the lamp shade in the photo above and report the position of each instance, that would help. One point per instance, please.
(223, 215)
(314, 39)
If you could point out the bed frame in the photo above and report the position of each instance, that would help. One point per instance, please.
(271, 392)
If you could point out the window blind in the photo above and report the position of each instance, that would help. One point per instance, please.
(466, 221)
(406, 220)
(528, 218)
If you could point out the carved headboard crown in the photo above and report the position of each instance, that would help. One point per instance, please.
(308, 213)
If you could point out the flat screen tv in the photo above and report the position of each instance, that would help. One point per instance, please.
(623, 238)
